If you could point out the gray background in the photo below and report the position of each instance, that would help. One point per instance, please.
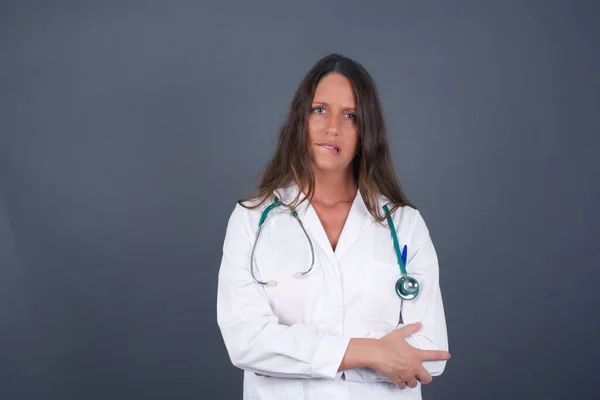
(128, 129)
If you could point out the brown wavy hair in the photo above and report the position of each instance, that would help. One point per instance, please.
(372, 166)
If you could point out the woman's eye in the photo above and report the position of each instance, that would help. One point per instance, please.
(319, 110)
(351, 116)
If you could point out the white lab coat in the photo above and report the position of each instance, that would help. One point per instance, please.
(297, 332)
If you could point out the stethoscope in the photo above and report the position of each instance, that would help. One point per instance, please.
(406, 287)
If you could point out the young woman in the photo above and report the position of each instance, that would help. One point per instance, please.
(312, 300)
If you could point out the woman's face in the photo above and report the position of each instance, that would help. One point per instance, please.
(332, 129)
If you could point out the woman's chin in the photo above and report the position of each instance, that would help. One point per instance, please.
(328, 167)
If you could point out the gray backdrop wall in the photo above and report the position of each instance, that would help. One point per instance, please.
(128, 129)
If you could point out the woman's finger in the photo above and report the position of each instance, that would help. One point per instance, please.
(434, 355)
(401, 384)
(412, 382)
(423, 376)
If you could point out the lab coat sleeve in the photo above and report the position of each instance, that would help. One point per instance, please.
(254, 339)
(427, 307)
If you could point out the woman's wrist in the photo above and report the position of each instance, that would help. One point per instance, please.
(361, 353)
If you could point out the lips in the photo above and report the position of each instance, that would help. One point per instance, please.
(331, 147)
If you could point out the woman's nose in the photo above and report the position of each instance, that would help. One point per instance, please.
(333, 124)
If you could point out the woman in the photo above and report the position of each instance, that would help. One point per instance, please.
(312, 311)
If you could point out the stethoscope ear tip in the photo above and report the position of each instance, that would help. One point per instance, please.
(272, 283)
(298, 275)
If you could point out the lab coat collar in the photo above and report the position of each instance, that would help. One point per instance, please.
(359, 219)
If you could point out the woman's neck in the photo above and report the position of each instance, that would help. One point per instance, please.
(331, 188)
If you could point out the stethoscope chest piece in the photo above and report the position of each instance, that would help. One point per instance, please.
(407, 287)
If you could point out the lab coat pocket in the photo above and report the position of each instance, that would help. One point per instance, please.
(380, 303)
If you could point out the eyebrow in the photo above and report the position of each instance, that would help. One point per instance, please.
(326, 104)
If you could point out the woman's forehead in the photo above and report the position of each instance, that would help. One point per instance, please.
(335, 88)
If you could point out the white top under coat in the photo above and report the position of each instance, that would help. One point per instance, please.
(297, 332)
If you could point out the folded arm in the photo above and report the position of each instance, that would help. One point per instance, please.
(426, 308)
(254, 339)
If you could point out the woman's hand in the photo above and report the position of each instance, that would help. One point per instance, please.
(401, 363)
(392, 357)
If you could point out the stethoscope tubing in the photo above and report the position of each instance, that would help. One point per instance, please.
(406, 287)
(276, 203)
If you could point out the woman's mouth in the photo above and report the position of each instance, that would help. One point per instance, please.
(331, 147)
